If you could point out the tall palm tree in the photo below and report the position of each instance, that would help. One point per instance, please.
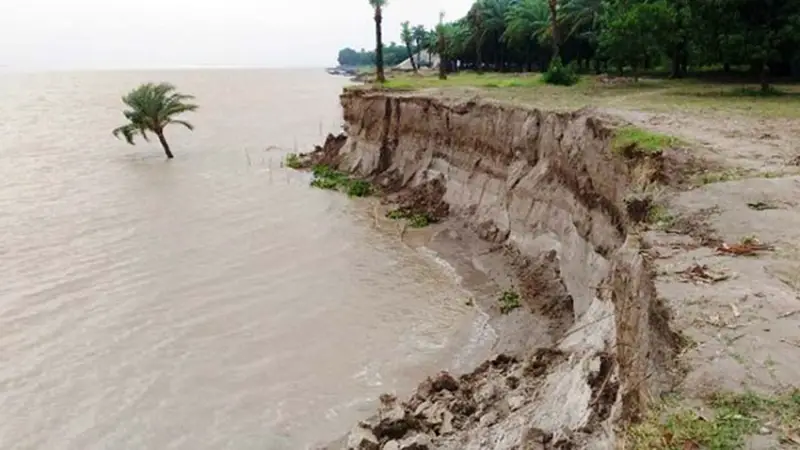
(407, 37)
(553, 4)
(378, 6)
(419, 34)
(152, 108)
(528, 23)
(441, 46)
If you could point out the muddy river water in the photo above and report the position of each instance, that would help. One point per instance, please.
(213, 301)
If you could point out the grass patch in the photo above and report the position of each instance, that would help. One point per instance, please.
(327, 178)
(643, 141)
(293, 161)
(415, 219)
(462, 79)
(660, 217)
(509, 301)
(648, 94)
(733, 417)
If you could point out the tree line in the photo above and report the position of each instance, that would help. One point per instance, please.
(761, 37)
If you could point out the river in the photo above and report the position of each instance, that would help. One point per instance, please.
(214, 301)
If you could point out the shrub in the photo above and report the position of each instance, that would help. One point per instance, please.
(419, 220)
(359, 188)
(559, 74)
(293, 161)
(509, 301)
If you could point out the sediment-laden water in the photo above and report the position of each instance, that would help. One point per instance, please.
(213, 301)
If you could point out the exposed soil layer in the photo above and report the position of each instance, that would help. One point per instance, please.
(547, 197)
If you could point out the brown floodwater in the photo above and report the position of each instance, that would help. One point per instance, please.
(214, 301)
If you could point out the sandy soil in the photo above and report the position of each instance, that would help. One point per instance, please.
(741, 312)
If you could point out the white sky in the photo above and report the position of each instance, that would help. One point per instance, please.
(111, 34)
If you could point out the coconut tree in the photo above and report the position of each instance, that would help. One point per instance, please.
(407, 37)
(553, 6)
(152, 108)
(528, 23)
(441, 46)
(419, 34)
(378, 6)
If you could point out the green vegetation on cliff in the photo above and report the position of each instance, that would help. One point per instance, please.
(328, 178)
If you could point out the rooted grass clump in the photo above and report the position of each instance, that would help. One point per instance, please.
(732, 418)
(643, 141)
(293, 161)
(509, 301)
(327, 178)
(415, 219)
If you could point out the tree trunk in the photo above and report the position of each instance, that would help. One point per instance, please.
(554, 24)
(676, 63)
(379, 45)
(442, 44)
(478, 58)
(411, 56)
(764, 77)
(164, 143)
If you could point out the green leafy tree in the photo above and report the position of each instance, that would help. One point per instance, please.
(377, 6)
(151, 108)
(407, 36)
(633, 32)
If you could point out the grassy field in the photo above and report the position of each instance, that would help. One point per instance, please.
(648, 94)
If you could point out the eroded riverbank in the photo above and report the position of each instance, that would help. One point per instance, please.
(535, 203)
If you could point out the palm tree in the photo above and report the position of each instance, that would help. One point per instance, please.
(378, 6)
(441, 46)
(553, 4)
(528, 24)
(419, 34)
(407, 36)
(152, 108)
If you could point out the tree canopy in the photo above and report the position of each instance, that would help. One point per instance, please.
(758, 36)
(393, 54)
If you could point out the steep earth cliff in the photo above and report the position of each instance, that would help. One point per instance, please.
(546, 194)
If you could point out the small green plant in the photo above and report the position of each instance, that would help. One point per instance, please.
(328, 178)
(415, 219)
(643, 141)
(293, 161)
(509, 301)
(359, 188)
(325, 183)
(660, 216)
(396, 214)
(419, 220)
(559, 74)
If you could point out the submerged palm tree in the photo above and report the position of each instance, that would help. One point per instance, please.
(152, 108)
(378, 5)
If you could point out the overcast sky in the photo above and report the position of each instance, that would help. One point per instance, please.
(108, 34)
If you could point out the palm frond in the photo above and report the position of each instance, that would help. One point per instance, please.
(127, 132)
(184, 123)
